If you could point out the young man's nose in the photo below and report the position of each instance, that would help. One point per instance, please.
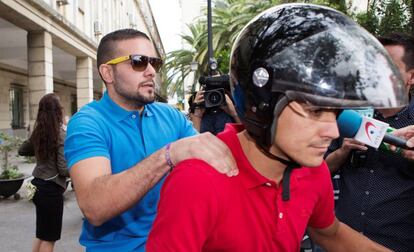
(330, 130)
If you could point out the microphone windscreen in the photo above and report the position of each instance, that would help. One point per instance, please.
(349, 122)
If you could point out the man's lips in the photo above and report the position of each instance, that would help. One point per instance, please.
(148, 84)
(321, 148)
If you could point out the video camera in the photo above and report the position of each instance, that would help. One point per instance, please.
(215, 86)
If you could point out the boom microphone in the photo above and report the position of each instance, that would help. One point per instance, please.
(367, 130)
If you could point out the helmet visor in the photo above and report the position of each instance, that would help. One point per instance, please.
(336, 70)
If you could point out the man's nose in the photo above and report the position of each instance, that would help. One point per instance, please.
(150, 71)
(330, 130)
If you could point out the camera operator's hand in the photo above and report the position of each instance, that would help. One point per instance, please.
(230, 109)
(198, 100)
(199, 110)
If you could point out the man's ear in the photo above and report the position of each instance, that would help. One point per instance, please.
(107, 73)
(411, 77)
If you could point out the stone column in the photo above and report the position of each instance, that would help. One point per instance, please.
(84, 81)
(40, 69)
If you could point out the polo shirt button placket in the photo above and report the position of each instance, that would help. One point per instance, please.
(133, 116)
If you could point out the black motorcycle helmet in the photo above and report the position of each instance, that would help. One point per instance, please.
(312, 54)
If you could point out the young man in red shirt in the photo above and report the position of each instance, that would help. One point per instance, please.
(294, 68)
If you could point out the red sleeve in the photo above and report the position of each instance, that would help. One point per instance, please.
(323, 214)
(187, 209)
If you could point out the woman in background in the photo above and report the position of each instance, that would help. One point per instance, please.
(50, 172)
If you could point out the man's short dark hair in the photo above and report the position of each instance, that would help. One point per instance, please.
(106, 48)
(404, 40)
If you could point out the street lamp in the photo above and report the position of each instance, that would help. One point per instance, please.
(194, 66)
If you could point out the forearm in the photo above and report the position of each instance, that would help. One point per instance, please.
(236, 118)
(196, 120)
(336, 159)
(110, 195)
(345, 239)
(26, 149)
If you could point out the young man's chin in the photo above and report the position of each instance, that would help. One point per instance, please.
(312, 162)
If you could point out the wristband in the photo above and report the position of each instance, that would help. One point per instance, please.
(168, 157)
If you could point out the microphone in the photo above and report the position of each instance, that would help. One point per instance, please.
(367, 130)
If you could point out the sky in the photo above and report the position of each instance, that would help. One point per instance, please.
(167, 14)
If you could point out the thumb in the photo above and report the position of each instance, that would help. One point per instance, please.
(410, 142)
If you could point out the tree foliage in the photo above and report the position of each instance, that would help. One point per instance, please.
(230, 16)
(384, 16)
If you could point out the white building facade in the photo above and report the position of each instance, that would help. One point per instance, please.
(50, 46)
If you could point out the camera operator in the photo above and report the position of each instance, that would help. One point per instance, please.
(211, 119)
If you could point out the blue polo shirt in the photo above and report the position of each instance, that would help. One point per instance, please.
(104, 129)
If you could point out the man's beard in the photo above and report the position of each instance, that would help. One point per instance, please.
(136, 98)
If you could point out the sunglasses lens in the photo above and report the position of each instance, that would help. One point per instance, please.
(156, 64)
(139, 63)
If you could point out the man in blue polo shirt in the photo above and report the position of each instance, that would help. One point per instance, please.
(120, 148)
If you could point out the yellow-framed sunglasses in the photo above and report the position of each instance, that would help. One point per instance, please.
(138, 62)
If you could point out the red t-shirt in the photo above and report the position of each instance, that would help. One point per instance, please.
(203, 210)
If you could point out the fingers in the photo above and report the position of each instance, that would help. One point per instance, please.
(208, 148)
(406, 133)
(357, 147)
(352, 144)
(410, 142)
(199, 97)
(217, 154)
(408, 154)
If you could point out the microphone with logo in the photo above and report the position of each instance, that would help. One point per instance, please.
(368, 130)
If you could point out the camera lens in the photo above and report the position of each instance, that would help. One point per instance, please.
(215, 97)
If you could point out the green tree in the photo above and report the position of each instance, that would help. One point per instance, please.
(384, 16)
(230, 16)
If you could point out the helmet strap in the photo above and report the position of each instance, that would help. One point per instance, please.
(280, 105)
(290, 164)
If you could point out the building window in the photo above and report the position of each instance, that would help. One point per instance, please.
(73, 104)
(16, 107)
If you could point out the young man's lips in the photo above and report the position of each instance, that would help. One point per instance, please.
(324, 148)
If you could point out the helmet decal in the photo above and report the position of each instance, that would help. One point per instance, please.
(260, 77)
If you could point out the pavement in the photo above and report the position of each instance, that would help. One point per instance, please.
(18, 219)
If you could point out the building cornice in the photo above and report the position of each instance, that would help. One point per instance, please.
(36, 15)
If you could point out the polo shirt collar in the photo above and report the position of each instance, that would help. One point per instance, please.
(249, 176)
(117, 112)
